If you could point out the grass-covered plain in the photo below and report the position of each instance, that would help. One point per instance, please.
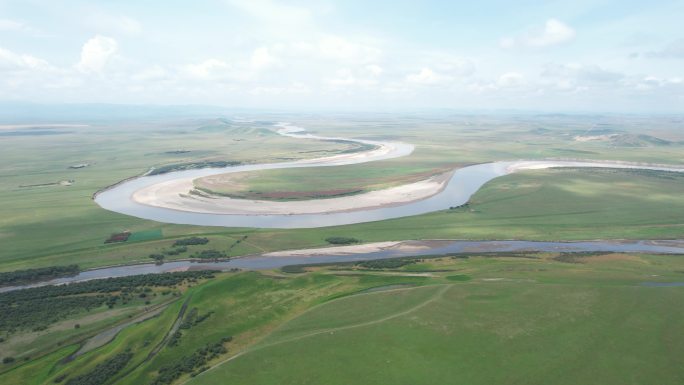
(317, 182)
(534, 318)
(490, 333)
(59, 225)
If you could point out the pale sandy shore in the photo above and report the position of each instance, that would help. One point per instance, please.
(352, 249)
(180, 194)
(175, 194)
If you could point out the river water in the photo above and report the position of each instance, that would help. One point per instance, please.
(263, 262)
(464, 183)
(461, 186)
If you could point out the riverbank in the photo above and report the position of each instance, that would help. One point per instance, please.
(180, 195)
(172, 198)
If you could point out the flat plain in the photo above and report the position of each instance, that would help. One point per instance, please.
(52, 224)
(603, 318)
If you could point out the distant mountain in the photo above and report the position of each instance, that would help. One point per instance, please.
(34, 113)
(623, 139)
(631, 140)
(236, 127)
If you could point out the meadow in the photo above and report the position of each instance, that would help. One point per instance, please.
(586, 319)
(58, 225)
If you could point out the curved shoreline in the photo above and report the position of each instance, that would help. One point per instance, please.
(166, 198)
(174, 195)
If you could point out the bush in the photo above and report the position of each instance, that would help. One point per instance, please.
(37, 307)
(390, 263)
(193, 363)
(459, 278)
(342, 240)
(293, 269)
(18, 277)
(191, 241)
(103, 372)
(192, 166)
(209, 254)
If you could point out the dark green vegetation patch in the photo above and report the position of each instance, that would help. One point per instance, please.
(194, 363)
(192, 166)
(459, 278)
(389, 263)
(191, 241)
(342, 240)
(19, 277)
(36, 308)
(103, 372)
(209, 254)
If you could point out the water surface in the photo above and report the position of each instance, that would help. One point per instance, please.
(263, 262)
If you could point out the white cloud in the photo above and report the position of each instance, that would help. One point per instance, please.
(366, 76)
(374, 69)
(13, 61)
(555, 32)
(339, 48)
(511, 80)
(152, 74)
(217, 70)
(271, 12)
(426, 76)
(654, 83)
(21, 73)
(261, 59)
(210, 69)
(11, 25)
(294, 88)
(674, 50)
(574, 75)
(16, 26)
(454, 65)
(114, 23)
(95, 54)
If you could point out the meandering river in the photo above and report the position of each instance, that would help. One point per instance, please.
(464, 182)
(458, 190)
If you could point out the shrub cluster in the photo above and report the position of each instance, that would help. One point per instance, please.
(19, 277)
(103, 372)
(194, 363)
(342, 240)
(191, 241)
(391, 263)
(191, 319)
(38, 307)
(209, 254)
(192, 166)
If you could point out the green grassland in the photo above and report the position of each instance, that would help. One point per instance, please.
(476, 334)
(58, 225)
(457, 141)
(37, 221)
(535, 318)
(319, 181)
(44, 320)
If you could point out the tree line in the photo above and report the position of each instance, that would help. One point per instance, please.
(21, 277)
(38, 307)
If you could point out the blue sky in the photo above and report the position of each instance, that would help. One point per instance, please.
(612, 56)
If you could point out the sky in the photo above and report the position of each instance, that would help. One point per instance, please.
(563, 56)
